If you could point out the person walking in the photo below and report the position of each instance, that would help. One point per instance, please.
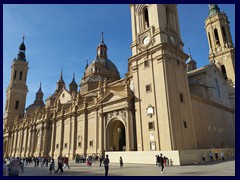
(100, 161)
(106, 165)
(222, 156)
(60, 165)
(211, 156)
(52, 166)
(161, 163)
(121, 161)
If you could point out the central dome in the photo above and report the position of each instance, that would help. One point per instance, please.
(100, 69)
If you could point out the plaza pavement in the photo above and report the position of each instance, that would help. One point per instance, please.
(216, 168)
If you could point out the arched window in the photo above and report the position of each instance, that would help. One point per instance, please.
(224, 35)
(216, 36)
(146, 18)
(16, 104)
(224, 73)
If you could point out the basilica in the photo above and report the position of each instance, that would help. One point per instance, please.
(163, 104)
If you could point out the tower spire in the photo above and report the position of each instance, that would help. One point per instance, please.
(102, 41)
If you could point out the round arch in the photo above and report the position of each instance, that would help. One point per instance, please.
(115, 135)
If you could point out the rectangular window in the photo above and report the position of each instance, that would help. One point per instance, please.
(148, 88)
(181, 97)
(146, 63)
(185, 124)
(65, 145)
(178, 61)
(91, 143)
(79, 144)
(150, 125)
(57, 146)
(216, 81)
(152, 146)
(15, 74)
(20, 77)
(16, 104)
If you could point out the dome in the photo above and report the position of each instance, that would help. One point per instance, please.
(106, 65)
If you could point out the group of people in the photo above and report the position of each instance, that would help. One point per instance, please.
(211, 156)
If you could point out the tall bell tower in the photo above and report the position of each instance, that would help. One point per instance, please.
(158, 77)
(17, 89)
(221, 48)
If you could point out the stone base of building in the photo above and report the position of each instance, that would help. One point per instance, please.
(177, 157)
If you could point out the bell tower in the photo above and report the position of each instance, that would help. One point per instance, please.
(158, 77)
(221, 48)
(17, 89)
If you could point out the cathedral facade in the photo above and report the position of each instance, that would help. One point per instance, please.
(164, 103)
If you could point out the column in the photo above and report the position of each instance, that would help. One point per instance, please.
(53, 135)
(73, 136)
(127, 135)
(100, 132)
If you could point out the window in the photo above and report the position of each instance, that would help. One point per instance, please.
(216, 81)
(181, 97)
(178, 61)
(224, 73)
(15, 74)
(91, 143)
(146, 63)
(224, 34)
(57, 146)
(16, 104)
(79, 144)
(216, 36)
(185, 124)
(167, 15)
(148, 88)
(20, 77)
(152, 146)
(65, 145)
(150, 125)
(146, 18)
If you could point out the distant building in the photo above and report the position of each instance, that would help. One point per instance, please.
(164, 103)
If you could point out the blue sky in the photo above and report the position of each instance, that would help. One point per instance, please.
(65, 36)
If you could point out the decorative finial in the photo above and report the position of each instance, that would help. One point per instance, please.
(73, 75)
(102, 41)
(40, 86)
(23, 38)
(61, 74)
(189, 51)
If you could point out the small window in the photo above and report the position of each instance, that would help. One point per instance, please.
(224, 73)
(63, 95)
(20, 77)
(146, 63)
(65, 145)
(79, 144)
(150, 125)
(178, 61)
(148, 88)
(16, 104)
(91, 143)
(181, 97)
(152, 146)
(185, 124)
(57, 146)
(15, 74)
